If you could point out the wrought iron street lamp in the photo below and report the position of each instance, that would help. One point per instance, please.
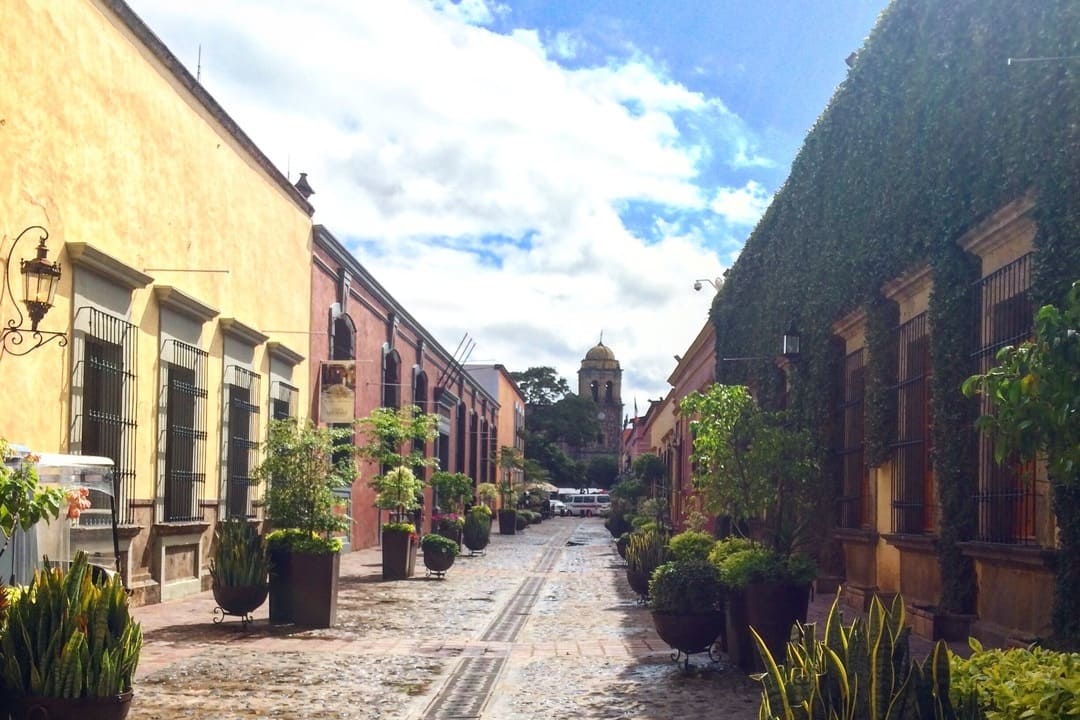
(40, 279)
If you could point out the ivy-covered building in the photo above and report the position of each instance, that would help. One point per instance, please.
(933, 207)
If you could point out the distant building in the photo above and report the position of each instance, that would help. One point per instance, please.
(600, 380)
(496, 380)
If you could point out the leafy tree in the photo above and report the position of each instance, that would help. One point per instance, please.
(510, 459)
(651, 471)
(601, 471)
(452, 489)
(389, 432)
(571, 420)
(1034, 411)
(541, 385)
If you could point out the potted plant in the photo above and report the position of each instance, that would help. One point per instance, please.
(451, 490)
(398, 488)
(510, 459)
(755, 467)
(69, 648)
(439, 553)
(477, 531)
(686, 601)
(23, 502)
(486, 494)
(303, 466)
(239, 568)
(645, 551)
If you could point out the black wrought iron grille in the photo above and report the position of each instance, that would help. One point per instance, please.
(103, 398)
(242, 430)
(485, 441)
(283, 398)
(460, 439)
(474, 444)
(183, 396)
(854, 476)
(912, 473)
(1006, 497)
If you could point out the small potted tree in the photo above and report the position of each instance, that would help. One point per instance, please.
(686, 601)
(477, 531)
(451, 491)
(439, 553)
(754, 466)
(304, 465)
(646, 550)
(510, 459)
(389, 432)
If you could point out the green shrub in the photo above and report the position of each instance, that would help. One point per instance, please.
(686, 587)
(723, 548)
(1034, 684)
(691, 545)
(760, 564)
(646, 551)
(438, 543)
(299, 541)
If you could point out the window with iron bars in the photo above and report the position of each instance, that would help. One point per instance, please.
(103, 392)
(854, 475)
(183, 412)
(1006, 498)
(282, 400)
(913, 495)
(241, 402)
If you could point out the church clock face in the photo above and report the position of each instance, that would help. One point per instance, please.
(600, 415)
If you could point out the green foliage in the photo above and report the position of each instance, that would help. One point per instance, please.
(398, 489)
(860, 672)
(452, 489)
(601, 471)
(23, 502)
(726, 547)
(541, 385)
(691, 545)
(477, 530)
(398, 527)
(510, 458)
(304, 465)
(1034, 398)
(439, 544)
(649, 469)
(1018, 684)
(389, 431)
(646, 550)
(751, 463)
(930, 132)
(760, 564)
(486, 493)
(302, 541)
(686, 587)
(239, 558)
(879, 400)
(69, 637)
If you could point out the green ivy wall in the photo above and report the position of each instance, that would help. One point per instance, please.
(931, 132)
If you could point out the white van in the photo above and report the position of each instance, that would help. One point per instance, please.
(589, 504)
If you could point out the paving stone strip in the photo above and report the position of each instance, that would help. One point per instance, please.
(466, 691)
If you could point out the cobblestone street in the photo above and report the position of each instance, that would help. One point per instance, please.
(543, 625)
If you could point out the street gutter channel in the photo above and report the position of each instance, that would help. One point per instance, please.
(467, 689)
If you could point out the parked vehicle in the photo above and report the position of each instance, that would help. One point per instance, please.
(558, 507)
(588, 505)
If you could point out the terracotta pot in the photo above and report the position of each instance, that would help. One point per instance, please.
(281, 585)
(507, 522)
(639, 582)
(315, 578)
(620, 545)
(689, 633)
(240, 600)
(477, 534)
(771, 609)
(41, 708)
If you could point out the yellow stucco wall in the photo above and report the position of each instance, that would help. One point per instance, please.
(100, 143)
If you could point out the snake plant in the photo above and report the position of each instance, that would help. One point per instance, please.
(646, 550)
(68, 636)
(239, 557)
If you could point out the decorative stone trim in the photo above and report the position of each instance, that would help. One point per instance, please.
(926, 544)
(244, 333)
(1022, 556)
(856, 536)
(182, 303)
(282, 352)
(86, 256)
(1004, 226)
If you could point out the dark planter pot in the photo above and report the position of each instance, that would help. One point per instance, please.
(639, 582)
(438, 561)
(507, 522)
(620, 545)
(477, 534)
(398, 555)
(690, 633)
(453, 534)
(315, 589)
(771, 609)
(40, 708)
(281, 585)
(240, 600)
(521, 522)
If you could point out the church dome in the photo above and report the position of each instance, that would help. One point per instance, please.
(600, 352)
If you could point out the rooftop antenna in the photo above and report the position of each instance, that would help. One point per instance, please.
(198, 65)
(601, 337)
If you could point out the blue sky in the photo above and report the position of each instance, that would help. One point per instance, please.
(531, 172)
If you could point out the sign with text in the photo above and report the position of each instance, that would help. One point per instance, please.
(337, 392)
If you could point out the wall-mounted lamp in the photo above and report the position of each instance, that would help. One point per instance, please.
(717, 283)
(40, 278)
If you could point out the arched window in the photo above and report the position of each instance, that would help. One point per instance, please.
(343, 345)
(391, 380)
(608, 388)
(594, 388)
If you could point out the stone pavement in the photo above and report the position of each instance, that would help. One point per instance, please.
(544, 624)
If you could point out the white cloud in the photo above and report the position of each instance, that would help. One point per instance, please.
(415, 122)
(741, 206)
